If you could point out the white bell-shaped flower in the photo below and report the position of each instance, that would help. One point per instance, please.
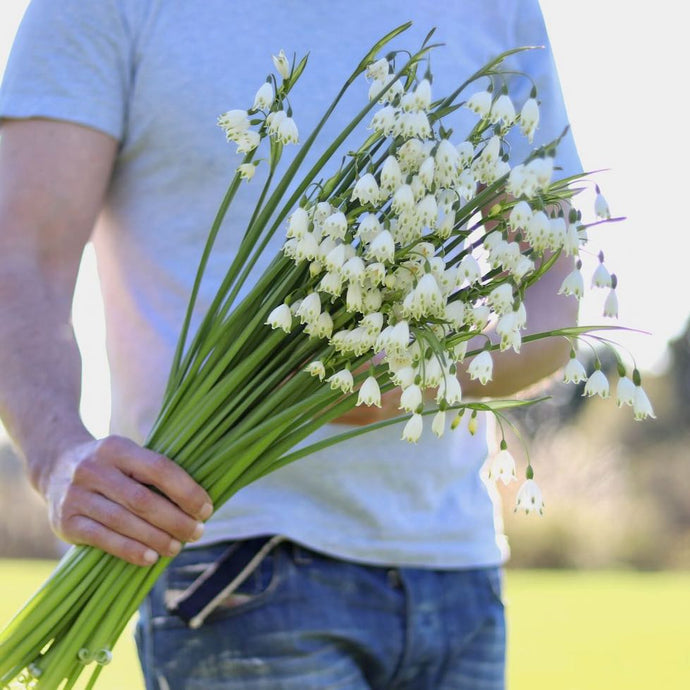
(597, 384)
(529, 498)
(403, 199)
(379, 69)
(335, 226)
(438, 425)
(287, 131)
(281, 64)
(501, 298)
(642, 407)
(625, 392)
(574, 371)
(503, 110)
(573, 284)
(465, 151)
(413, 429)
(469, 269)
(342, 380)
(455, 313)
(366, 189)
(247, 141)
(372, 323)
(391, 175)
(246, 171)
(384, 120)
(322, 327)
(611, 304)
(369, 392)
(412, 398)
(316, 368)
(480, 103)
(422, 95)
(264, 97)
(449, 390)
(234, 123)
(309, 308)
(601, 207)
(298, 223)
(601, 277)
(332, 283)
(502, 466)
(280, 317)
(529, 118)
(481, 367)
(382, 247)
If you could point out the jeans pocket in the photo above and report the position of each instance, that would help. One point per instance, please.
(494, 577)
(208, 584)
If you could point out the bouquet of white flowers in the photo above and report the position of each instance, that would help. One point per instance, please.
(391, 270)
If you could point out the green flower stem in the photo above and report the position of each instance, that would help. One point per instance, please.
(227, 341)
(192, 364)
(213, 233)
(184, 425)
(233, 455)
(228, 411)
(278, 456)
(254, 393)
(51, 610)
(63, 654)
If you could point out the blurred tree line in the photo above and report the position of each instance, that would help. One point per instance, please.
(617, 491)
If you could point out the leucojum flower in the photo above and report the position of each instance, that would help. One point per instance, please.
(388, 278)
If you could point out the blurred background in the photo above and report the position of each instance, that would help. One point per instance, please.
(617, 491)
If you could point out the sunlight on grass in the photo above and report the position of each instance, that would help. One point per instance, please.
(598, 630)
(568, 630)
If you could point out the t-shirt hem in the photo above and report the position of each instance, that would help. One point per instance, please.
(478, 553)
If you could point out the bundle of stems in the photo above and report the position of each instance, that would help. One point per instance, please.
(375, 286)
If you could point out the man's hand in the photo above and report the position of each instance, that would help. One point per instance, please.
(124, 499)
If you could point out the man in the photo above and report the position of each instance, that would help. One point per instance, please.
(387, 574)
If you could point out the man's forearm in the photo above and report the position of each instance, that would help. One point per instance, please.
(41, 369)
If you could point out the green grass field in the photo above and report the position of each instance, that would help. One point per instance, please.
(568, 630)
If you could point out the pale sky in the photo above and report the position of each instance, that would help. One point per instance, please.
(619, 65)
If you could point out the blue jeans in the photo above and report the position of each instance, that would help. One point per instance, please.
(304, 621)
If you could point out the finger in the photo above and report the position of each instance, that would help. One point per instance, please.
(167, 476)
(116, 518)
(140, 500)
(84, 530)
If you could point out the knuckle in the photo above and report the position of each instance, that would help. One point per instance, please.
(139, 499)
(84, 471)
(111, 446)
(159, 465)
(79, 531)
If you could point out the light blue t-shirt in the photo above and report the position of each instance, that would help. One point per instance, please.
(155, 74)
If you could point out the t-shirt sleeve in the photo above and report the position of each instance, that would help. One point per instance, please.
(536, 67)
(71, 60)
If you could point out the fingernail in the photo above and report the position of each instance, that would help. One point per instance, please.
(150, 556)
(174, 548)
(206, 511)
(198, 531)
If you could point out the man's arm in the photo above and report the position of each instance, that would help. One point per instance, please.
(53, 176)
